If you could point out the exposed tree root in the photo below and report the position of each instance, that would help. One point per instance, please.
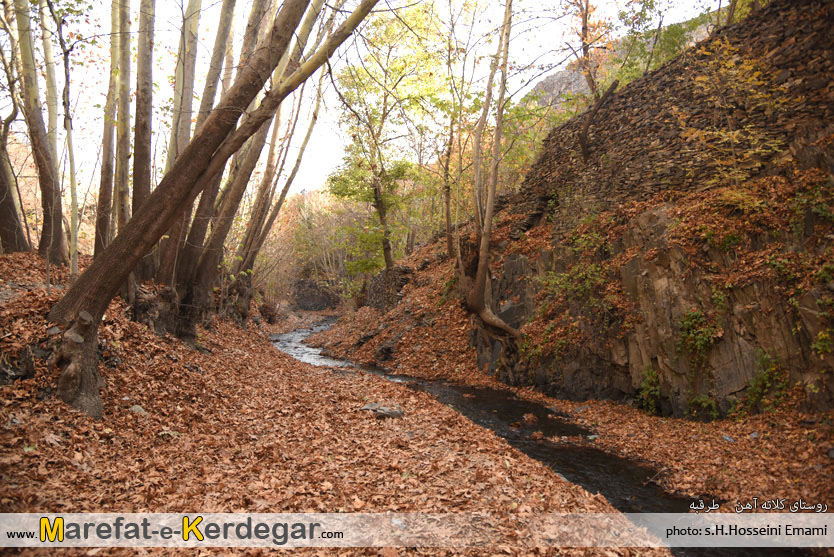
(80, 381)
(493, 320)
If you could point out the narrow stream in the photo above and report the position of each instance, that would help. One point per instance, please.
(628, 486)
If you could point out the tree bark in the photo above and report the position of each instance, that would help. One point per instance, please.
(189, 255)
(170, 249)
(47, 33)
(65, 53)
(105, 192)
(12, 237)
(144, 121)
(476, 299)
(52, 244)
(447, 188)
(221, 41)
(144, 105)
(95, 288)
(122, 186)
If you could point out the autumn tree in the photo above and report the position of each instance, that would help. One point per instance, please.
(476, 297)
(377, 92)
(220, 136)
(12, 235)
(52, 243)
(592, 34)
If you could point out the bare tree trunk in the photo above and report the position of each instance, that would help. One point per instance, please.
(249, 257)
(95, 288)
(476, 299)
(221, 41)
(65, 53)
(186, 263)
(382, 213)
(123, 120)
(731, 11)
(447, 188)
(144, 121)
(47, 33)
(180, 133)
(144, 105)
(52, 245)
(105, 192)
(206, 274)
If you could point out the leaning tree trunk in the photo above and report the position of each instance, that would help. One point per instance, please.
(52, 245)
(211, 146)
(196, 287)
(180, 133)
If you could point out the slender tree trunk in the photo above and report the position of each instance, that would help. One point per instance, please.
(382, 213)
(144, 121)
(52, 245)
(47, 34)
(263, 200)
(12, 236)
(180, 133)
(144, 105)
(585, 37)
(122, 185)
(251, 254)
(186, 263)
(476, 299)
(221, 41)
(105, 192)
(731, 11)
(95, 287)
(65, 53)
(447, 188)
(241, 171)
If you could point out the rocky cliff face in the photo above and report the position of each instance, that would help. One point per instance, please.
(688, 260)
(553, 89)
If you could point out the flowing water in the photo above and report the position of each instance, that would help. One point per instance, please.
(627, 485)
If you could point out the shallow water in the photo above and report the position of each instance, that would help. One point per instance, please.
(627, 485)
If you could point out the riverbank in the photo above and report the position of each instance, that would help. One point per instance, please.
(242, 427)
(780, 453)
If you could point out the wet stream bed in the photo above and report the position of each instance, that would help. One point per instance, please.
(627, 485)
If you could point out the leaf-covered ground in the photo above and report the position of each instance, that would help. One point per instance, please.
(784, 453)
(245, 428)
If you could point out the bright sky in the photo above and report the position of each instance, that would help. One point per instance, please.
(324, 153)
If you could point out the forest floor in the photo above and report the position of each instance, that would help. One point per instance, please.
(785, 453)
(245, 428)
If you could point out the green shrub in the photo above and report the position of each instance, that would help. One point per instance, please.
(824, 342)
(649, 396)
(768, 388)
(697, 335)
(703, 407)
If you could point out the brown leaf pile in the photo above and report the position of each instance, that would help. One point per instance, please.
(246, 428)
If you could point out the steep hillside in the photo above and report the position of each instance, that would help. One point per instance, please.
(686, 265)
(690, 256)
